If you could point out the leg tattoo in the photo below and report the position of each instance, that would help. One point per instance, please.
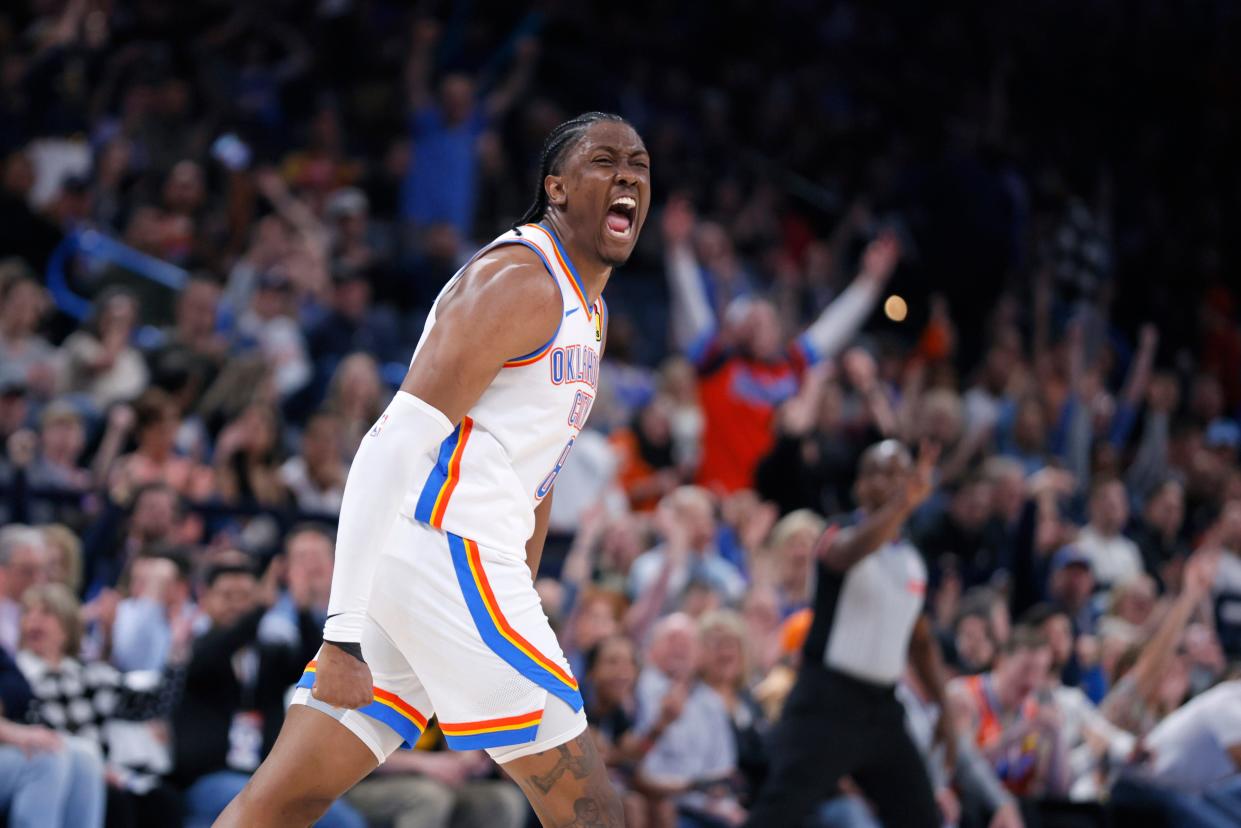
(569, 786)
(565, 761)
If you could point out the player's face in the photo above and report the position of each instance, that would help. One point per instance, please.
(606, 189)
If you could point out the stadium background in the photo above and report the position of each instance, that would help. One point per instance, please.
(222, 223)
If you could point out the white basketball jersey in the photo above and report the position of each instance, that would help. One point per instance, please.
(502, 459)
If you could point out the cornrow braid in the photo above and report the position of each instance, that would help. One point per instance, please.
(559, 141)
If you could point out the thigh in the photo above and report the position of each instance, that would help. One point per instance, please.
(895, 779)
(568, 785)
(340, 814)
(314, 761)
(473, 629)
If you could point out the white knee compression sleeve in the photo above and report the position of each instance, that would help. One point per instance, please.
(379, 479)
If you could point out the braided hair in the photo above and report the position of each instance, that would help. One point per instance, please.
(558, 143)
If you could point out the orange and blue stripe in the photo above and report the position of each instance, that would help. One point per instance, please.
(562, 258)
(437, 491)
(510, 730)
(496, 631)
(387, 707)
(535, 355)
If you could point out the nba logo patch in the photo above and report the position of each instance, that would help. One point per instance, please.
(598, 327)
(379, 424)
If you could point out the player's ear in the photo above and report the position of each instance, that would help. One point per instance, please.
(556, 194)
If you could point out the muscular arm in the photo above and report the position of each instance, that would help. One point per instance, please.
(507, 295)
(534, 546)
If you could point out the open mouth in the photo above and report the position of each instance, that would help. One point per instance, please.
(620, 216)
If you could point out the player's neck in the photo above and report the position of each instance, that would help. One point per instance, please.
(593, 272)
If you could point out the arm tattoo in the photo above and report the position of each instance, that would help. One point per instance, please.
(566, 761)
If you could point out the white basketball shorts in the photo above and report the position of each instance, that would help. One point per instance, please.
(456, 630)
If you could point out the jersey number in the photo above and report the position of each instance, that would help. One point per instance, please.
(550, 480)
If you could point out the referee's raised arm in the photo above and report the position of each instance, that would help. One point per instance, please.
(888, 477)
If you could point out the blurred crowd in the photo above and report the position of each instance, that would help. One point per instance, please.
(870, 225)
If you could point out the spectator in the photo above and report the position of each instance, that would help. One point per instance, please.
(726, 670)
(354, 396)
(352, 324)
(24, 562)
(62, 439)
(791, 558)
(91, 701)
(611, 672)
(648, 468)
(1152, 680)
(972, 641)
(193, 347)
(1133, 600)
(1113, 557)
(29, 357)
(152, 522)
(1027, 442)
(1093, 744)
(316, 476)
(45, 779)
(309, 553)
(233, 702)
(270, 326)
(246, 459)
(966, 531)
(1191, 773)
(1227, 586)
(1071, 587)
(1158, 532)
(744, 373)
(980, 792)
(154, 620)
(688, 552)
(100, 361)
(64, 556)
(693, 753)
(440, 186)
(155, 460)
(1014, 727)
(597, 615)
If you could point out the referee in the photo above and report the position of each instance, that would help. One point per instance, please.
(842, 717)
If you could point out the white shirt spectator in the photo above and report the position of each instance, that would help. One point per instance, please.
(1113, 559)
(698, 746)
(704, 565)
(1189, 749)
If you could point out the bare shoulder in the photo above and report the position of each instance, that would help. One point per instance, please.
(509, 283)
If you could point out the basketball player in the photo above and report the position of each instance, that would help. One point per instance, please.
(433, 609)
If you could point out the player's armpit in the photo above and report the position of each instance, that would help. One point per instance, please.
(506, 304)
